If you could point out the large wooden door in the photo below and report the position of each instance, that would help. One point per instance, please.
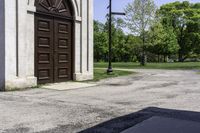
(53, 45)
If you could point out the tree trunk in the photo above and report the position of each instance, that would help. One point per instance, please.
(180, 56)
(97, 57)
(165, 58)
(143, 60)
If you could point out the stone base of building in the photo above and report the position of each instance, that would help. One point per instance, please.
(21, 83)
(83, 77)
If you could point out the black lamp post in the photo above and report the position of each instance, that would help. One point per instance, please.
(109, 70)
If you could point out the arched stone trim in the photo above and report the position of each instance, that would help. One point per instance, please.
(76, 8)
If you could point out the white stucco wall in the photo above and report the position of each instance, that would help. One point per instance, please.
(10, 40)
(18, 72)
(20, 60)
(84, 30)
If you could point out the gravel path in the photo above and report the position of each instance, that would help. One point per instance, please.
(43, 110)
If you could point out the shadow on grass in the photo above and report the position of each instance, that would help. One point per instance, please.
(119, 124)
(100, 74)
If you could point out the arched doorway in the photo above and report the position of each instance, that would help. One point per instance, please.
(53, 41)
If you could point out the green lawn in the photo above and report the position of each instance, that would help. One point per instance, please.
(102, 74)
(130, 65)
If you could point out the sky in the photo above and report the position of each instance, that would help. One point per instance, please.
(100, 6)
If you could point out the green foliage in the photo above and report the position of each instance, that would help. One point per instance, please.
(125, 47)
(184, 17)
(100, 42)
(163, 40)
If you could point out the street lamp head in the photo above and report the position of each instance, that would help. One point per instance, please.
(119, 13)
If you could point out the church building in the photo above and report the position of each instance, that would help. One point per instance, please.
(45, 41)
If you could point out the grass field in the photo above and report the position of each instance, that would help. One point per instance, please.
(102, 74)
(131, 65)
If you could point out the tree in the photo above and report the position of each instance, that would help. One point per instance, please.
(133, 44)
(125, 47)
(185, 19)
(100, 42)
(139, 15)
(169, 43)
(163, 40)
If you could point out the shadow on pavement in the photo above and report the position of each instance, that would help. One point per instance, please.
(122, 123)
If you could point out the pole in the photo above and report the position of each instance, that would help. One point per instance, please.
(110, 39)
(110, 70)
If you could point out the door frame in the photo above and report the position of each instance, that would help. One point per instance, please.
(72, 20)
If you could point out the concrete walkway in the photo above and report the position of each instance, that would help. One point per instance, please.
(55, 111)
(68, 86)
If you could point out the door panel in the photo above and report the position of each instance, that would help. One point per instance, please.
(44, 51)
(62, 50)
(53, 43)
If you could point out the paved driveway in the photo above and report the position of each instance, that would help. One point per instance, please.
(43, 110)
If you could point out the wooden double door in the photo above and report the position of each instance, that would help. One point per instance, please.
(53, 49)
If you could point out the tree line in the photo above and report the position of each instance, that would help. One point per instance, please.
(148, 33)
